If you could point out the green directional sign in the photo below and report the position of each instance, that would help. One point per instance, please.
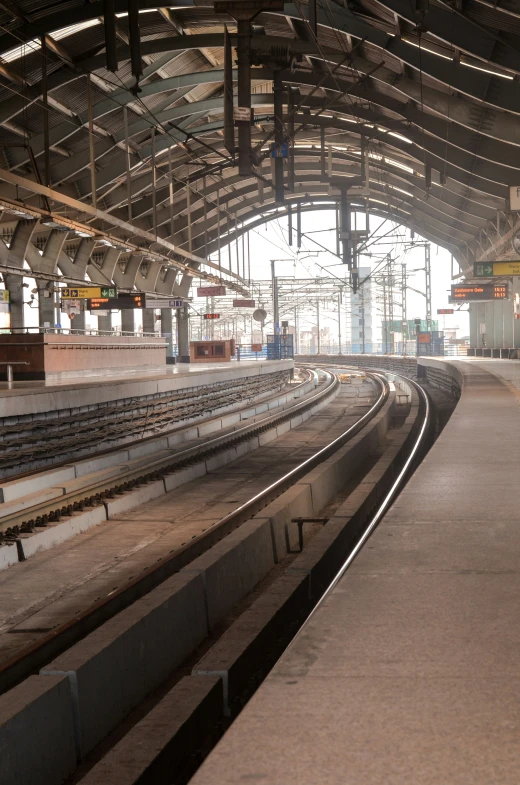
(483, 270)
(108, 291)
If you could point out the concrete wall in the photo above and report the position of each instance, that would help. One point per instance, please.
(37, 741)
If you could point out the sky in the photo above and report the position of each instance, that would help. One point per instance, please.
(270, 242)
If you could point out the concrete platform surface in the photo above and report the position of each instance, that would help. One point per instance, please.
(31, 397)
(407, 674)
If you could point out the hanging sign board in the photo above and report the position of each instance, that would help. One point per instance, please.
(212, 316)
(117, 303)
(490, 269)
(479, 292)
(71, 307)
(514, 197)
(444, 311)
(242, 114)
(87, 292)
(243, 303)
(162, 302)
(211, 291)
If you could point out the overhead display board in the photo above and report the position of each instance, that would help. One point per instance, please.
(122, 303)
(87, 292)
(162, 302)
(444, 311)
(212, 316)
(211, 291)
(244, 303)
(491, 269)
(514, 198)
(479, 292)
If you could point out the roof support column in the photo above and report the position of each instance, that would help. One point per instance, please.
(183, 334)
(244, 95)
(46, 305)
(167, 329)
(278, 137)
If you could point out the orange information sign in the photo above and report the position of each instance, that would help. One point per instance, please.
(256, 347)
(424, 337)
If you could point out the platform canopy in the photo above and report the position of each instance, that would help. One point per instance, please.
(118, 117)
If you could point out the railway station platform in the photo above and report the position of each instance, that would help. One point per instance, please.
(407, 672)
(36, 396)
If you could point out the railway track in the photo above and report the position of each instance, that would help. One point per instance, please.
(49, 645)
(46, 441)
(103, 489)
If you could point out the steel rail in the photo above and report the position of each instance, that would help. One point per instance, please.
(96, 493)
(96, 419)
(33, 656)
(392, 493)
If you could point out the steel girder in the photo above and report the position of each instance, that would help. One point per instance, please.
(475, 148)
(392, 211)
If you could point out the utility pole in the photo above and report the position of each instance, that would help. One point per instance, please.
(391, 305)
(403, 307)
(318, 323)
(362, 303)
(275, 297)
(340, 298)
(428, 276)
(385, 320)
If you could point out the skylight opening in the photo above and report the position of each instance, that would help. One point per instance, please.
(424, 48)
(34, 45)
(486, 70)
(64, 32)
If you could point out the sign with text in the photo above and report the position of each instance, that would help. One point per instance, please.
(490, 269)
(121, 303)
(242, 114)
(212, 316)
(479, 292)
(243, 303)
(88, 292)
(211, 291)
(514, 198)
(156, 302)
(444, 311)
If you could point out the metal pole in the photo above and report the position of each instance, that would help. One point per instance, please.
(403, 307)
(91, 143)
(428, 275)
(188, 209)
(362, 304)
(339, 320)
(244, 95)
(385, 320)
(318, 324)
(218, 229)
(127, 160)
(391, 305)
(275, 297)
(154, 187)
(171, 189)
(45, 100)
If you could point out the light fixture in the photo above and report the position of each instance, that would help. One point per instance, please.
(18, 210)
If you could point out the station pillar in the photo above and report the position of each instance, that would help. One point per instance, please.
(183, 334)
(46, 307)
(148, 320)
(13, 283)
(167, 329)
(516, 322)
(489, 309)
(127, 321)
(105, 323)
(79, 322)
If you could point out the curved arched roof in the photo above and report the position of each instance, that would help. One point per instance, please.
(436, 90)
